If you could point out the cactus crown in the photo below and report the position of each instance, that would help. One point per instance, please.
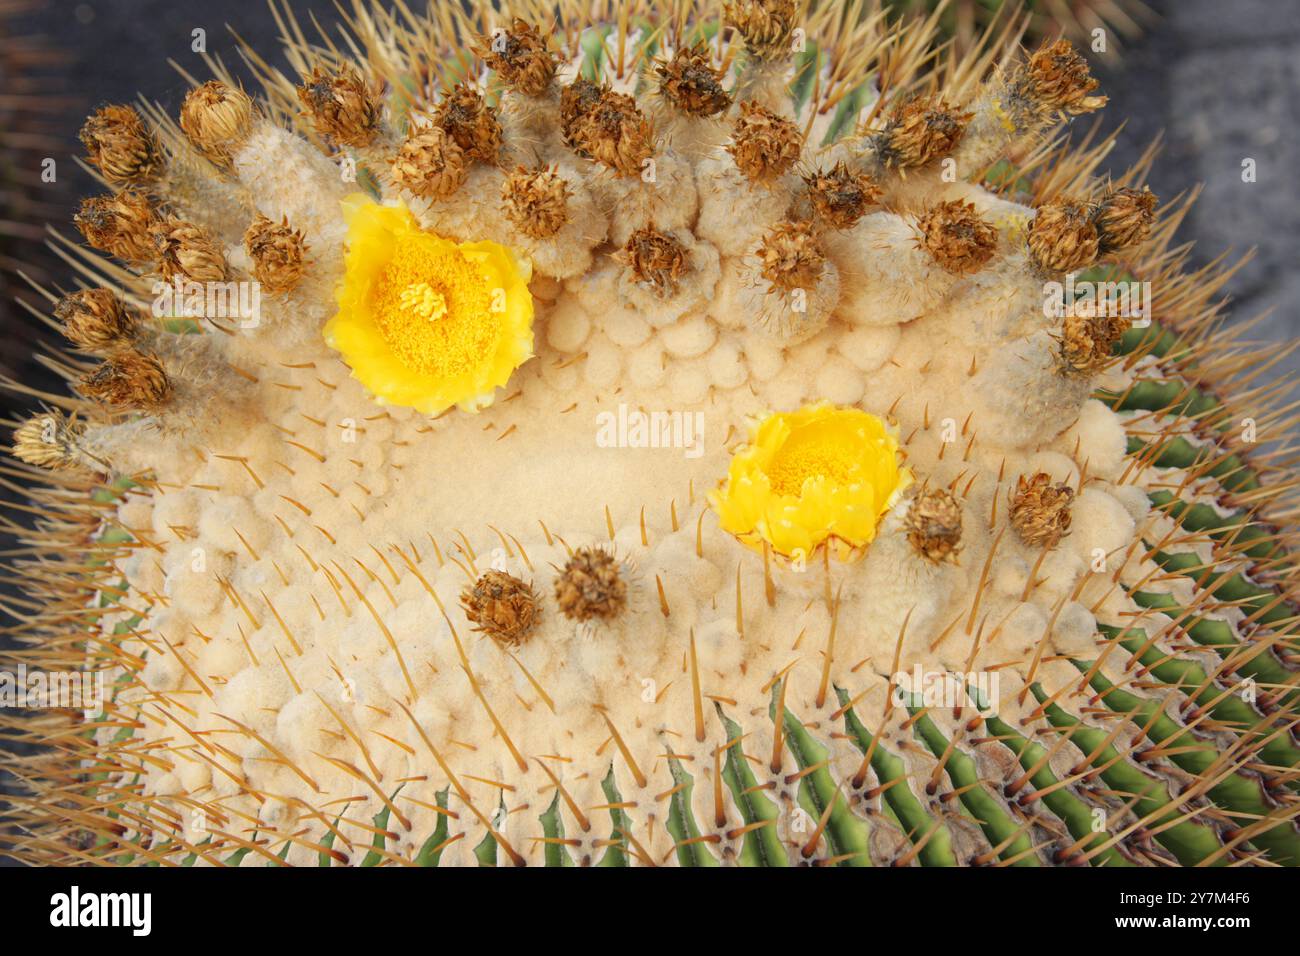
(344, 548)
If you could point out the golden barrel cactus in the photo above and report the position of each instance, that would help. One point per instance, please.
(638, 437)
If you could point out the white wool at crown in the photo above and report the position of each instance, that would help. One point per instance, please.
(388, 515)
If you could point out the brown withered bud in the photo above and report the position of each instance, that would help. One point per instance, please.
(919, 130)
(121, 146)
(95, 320)
(933, 525)
(342, 106)
(841, 196)
(502, 606)
(430, 163)
(129, 379)
(1057, 79)
(49, 440)
(654, 258)
(217, 119)
(576, 101)
(691, 84)
(277, 252)
(185, 250)
(958, 239)
(791, 257)
(1040, 510)
(1124, 218)
(471, 122)
(766, 25)
(119, 224)
(614, 132)
(764, 145)
(591, 586)
(536, 201)
(1087, 342)
(1063, 236)
(521, 56)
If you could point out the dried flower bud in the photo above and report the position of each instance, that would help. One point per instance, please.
(1063, 236)
(577, 100)
(521, 56)
(613, 131)
(591, 586)
(121, 146)
(920, 130)
(1124, 218)
(1057, 79)
(766, 25)
(342, 106)
(791, 257)
(933, 524)
(277, 251)
(765, 146)
(1040, 510)
(119, 225)
(185, 250)
(49, 440)
(129, 379)
(217, 119)
(690, 83)
(654, 258)
(95, 319)
(841, 196)
(502, 606)
(958, 239)
(536, 201)
(430, 164)
(471, 123)
(1087, 342)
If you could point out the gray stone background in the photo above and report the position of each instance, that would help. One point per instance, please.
(1218, 77)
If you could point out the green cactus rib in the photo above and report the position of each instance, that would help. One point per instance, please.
(1190, 842)
(1169, 396)
(377, 844)
(1233, 791)
(486, 851)
(1234, 528)
(846, 833)
(921, 828)
(691, 850)
(1069, 808)
(616, 854)
(762, 845)
(1262, 603)
(1177, 452)
(431, 851)
(1191, 679)
(1262, 666)
(556, 854)
(1002, 831)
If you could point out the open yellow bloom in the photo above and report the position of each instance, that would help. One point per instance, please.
(425, 322)
(822, 474)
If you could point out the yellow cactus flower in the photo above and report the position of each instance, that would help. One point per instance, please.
(822, 474)
(425, 322)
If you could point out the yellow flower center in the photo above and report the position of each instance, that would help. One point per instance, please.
(425, 301)
(434, 310)
(806, 456)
